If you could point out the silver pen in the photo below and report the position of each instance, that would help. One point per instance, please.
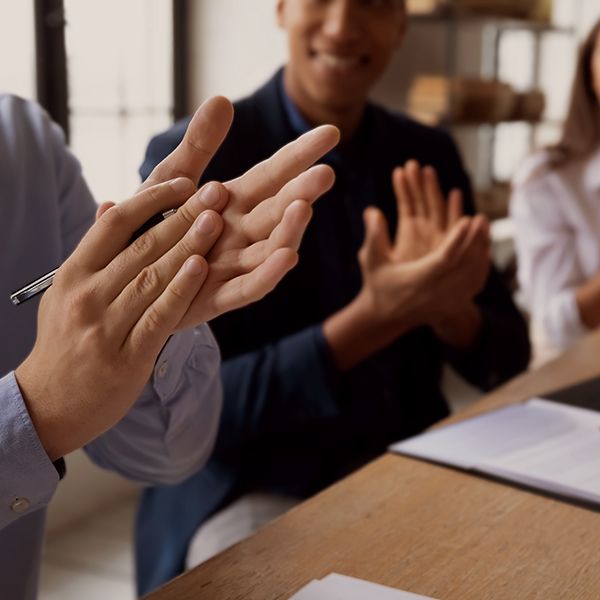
(43, 283)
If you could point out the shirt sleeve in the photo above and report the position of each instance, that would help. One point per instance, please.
(28, 478)
(76, 207)
(549, 268)
(170, 432)
(297, 368)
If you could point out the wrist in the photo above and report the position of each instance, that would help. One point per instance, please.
(460, 326)
(359, 330)
(39, 409)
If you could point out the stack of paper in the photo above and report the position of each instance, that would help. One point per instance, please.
(342, 587)
(541, 444)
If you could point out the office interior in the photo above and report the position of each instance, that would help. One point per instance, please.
(117, 72)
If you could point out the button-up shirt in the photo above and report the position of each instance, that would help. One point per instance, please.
(45, 208)
(556, 212)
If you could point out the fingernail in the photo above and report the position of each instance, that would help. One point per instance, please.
(210, 195)
(193, 266)
(205, 224)
(181, 184)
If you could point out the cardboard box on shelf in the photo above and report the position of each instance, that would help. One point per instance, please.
(537, 10)
(436, 99)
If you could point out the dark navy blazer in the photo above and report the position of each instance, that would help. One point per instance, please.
(291, 423)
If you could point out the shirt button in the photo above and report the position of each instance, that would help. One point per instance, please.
(20, 505)
(162, 370)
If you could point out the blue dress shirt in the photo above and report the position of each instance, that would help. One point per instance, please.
(45, 208)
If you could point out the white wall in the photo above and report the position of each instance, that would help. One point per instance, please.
(17, 74)
(236, 46)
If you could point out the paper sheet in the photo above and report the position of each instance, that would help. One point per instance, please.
(342, 587)
(546, 445)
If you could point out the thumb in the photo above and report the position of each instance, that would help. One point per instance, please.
(376, 246)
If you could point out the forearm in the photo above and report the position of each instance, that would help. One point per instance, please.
(587, 297)
(357, 331)
(28, 478)
(170, 431)
(276, 387)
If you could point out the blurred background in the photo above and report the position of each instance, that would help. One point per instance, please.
(497, 73)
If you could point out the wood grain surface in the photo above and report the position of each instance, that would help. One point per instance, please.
(424, 528)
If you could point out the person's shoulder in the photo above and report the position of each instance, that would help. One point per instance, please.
(27, 133)
(19, 114)
(162, 144)
(245, 112)
(171, 137)
(10, 104)
(535, 188)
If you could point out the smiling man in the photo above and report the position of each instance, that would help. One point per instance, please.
(347, 355)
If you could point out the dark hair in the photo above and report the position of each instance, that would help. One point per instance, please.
(581, 130)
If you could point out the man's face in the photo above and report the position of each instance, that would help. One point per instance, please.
(339, 48)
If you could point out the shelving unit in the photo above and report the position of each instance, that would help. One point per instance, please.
(492, 29)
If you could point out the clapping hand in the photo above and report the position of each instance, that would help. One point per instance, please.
(114, 304)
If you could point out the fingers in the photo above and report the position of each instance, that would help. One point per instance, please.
(308, 186)
(402, 193)
(436, 206)
(418, 193)
(152, 280)
(160, 319)
(113, 230)
(161, 238)
(455, 244)
(268, 177)
(454, 208)
(377, 246)
(478, 240)
(253, 286)
(415, 185)
(287, 234)
(205, 133)
(103, 208)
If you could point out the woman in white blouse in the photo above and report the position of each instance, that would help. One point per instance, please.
(556, 210)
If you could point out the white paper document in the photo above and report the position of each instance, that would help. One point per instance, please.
(541, 444)
(342, 587)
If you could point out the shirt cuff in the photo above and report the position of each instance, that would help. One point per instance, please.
(172, 359)
(28, 479)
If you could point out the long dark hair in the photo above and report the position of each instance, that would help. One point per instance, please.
(581, 131)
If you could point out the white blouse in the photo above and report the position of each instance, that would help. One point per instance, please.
(556, 213)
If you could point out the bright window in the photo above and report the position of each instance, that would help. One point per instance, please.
(119, 59)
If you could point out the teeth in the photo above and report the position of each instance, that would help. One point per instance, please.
(338, 62)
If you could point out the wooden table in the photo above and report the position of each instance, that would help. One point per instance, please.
(424, 528)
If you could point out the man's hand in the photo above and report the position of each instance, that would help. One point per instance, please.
(424, 218)
(268, 211)
(265, 211)
(428, 278)
(114, 304)
(406, 294)
(110, 311)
